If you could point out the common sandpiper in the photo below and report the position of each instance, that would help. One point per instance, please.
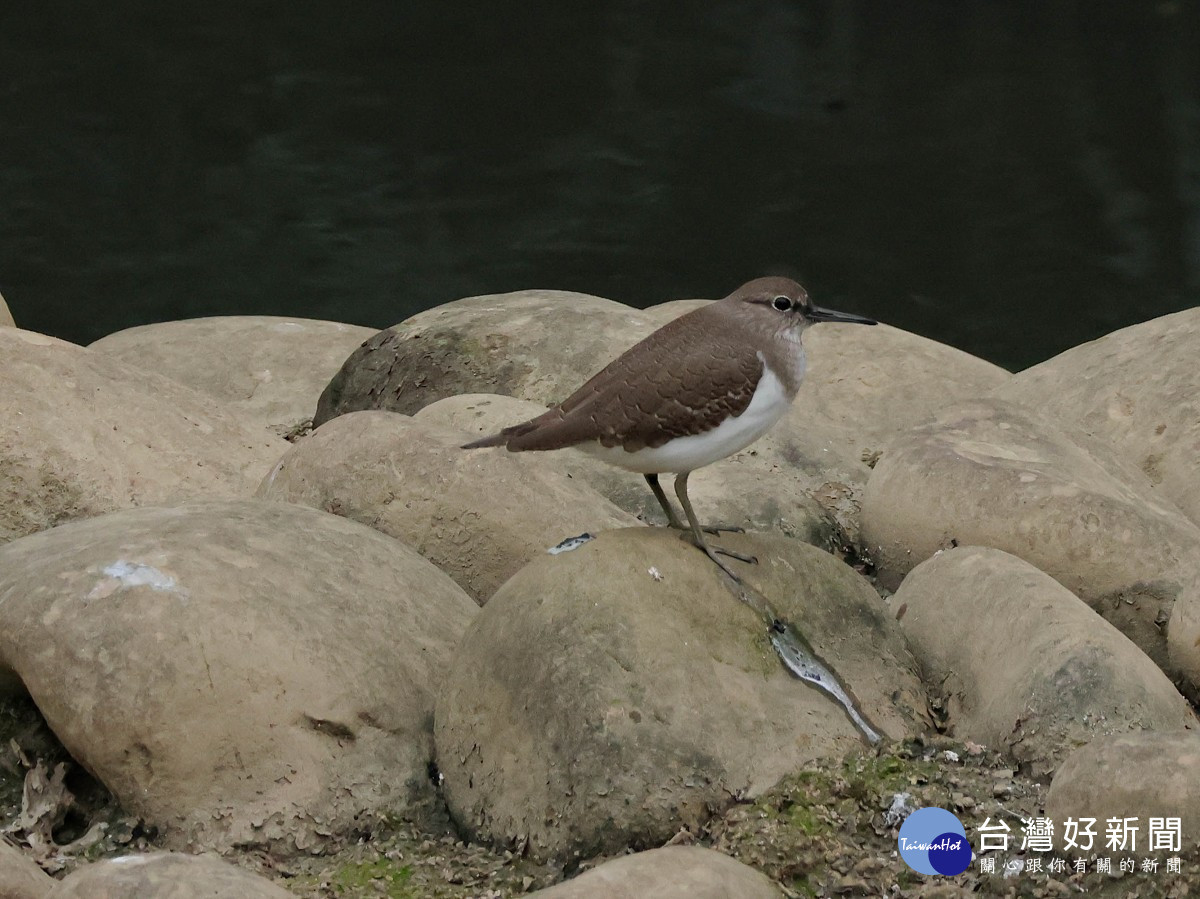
(702, 387)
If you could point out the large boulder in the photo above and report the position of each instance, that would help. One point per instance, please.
(609, 695)
(1137, 390)
(269, 370)
(533, 344)
(6, 319)
(479, 515)
(86, 434)
(165, 875)
(729, 492)
(236, 672)
(988, 473)
(20, 876)
(864, 386)
(1133, 775)
(1023, 664)
(673, 872)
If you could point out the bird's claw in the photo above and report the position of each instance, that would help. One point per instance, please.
(714, 553)
(718, 529)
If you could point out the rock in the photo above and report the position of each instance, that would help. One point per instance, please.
(1025, 666)
(607, 696)
(673, 872)
(479, 515)
(87, 434)
(165, 875)
(269, 370)
(1137, 775)
(6, 318)
(238, 672)
(533, 344)
(867, 385)
(1138, 391)
(727, 492)
(988, 473)
(20, 876)
(863, 387)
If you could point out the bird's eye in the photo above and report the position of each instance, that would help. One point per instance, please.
(783, 304)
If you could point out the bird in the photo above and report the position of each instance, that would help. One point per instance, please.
(702, 387)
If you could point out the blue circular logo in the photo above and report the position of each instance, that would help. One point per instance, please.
(933, 841)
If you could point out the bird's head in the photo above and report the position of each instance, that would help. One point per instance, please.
(784, 306)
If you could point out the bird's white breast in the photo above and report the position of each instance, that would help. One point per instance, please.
(770, 401)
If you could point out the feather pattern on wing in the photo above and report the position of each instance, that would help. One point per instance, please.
(680, 383)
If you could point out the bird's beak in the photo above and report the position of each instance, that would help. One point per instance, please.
(817, 314)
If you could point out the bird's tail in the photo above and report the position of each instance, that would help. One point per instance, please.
(503, 438)
(493, 440)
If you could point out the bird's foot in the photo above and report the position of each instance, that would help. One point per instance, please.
(723, 529)
(715, 553)
(741, 557)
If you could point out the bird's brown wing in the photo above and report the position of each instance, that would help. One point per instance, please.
(673, 387)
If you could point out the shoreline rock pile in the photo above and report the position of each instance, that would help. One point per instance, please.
(267, 648)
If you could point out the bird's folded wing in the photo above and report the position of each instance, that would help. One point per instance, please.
(636, 402)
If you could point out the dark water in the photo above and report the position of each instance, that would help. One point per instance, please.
(1012, 178)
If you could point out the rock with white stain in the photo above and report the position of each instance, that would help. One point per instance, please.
(608, 695)
(238, 672)
(86, 434)
(988, 473)
(267, 369)
(20, 876)
(725, 492)
(165, 875)
(1138, 391)
(533, 344)
(479, 515)
(1024, 665)
(1137, 775)
(673, 872)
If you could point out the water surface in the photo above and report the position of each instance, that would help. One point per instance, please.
(1011, 178)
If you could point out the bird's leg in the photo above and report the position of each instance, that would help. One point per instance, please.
(673, 519)
(698, 537)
